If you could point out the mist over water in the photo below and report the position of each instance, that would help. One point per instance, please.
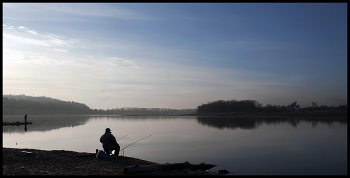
(243, 146)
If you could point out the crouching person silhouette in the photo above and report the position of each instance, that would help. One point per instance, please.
(109, 143)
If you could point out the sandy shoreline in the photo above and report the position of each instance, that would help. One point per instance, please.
(25, 161)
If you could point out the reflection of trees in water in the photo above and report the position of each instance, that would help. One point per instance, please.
(51, 122)
(25, 126)
(47, 123)
(147, 117)
(154, 117)
(255, 122)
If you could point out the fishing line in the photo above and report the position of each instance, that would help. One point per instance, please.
(122, 137)
(133, 143)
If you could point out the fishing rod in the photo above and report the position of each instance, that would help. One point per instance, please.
(133, 143)
(122, 137)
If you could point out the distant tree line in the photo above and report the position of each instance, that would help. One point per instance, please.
(144, 111)
(222, 106)
(22, 104)
(228, 106)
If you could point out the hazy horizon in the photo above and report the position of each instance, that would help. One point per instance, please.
(176, 55)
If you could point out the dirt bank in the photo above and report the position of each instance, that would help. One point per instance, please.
(62, 162)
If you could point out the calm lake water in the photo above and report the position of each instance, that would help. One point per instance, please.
(243, 146)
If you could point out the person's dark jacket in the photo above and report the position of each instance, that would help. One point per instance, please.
(108, 141)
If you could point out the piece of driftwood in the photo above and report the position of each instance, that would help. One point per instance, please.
(224, 171)
(167, 166)
(26, 153)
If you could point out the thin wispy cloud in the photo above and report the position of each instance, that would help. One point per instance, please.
(9, 27)
(122, 62)
(21, 27)
(27, 30)
(44, 60)
(101, 10)
(59, 42)
(79, 11)
(47, 40)
(60, 50)
(31, 41)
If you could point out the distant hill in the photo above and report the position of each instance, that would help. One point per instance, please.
(42, 99)
(22, 104)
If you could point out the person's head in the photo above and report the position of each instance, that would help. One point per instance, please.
(108, 130)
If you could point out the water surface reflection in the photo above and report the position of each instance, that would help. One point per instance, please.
(53, 122)
(255, 122)
(45, 122)
(261, 146)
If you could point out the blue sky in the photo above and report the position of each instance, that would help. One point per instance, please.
(176, 55)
